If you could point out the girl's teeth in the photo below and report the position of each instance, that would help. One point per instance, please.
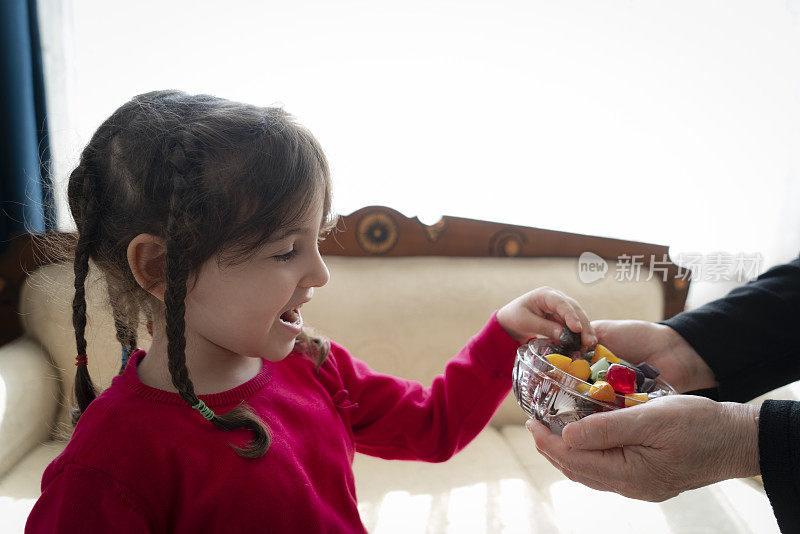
(291, 317)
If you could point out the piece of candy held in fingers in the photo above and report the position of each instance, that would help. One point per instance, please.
(571, 341)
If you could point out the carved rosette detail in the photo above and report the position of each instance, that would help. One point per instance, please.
(506, 243)
(376, 233)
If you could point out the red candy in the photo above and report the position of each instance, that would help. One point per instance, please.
(621, 378)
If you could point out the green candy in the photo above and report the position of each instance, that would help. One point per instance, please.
(600, 366)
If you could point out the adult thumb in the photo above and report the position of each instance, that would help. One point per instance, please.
(607, 430)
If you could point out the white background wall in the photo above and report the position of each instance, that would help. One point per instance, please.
(669, 122)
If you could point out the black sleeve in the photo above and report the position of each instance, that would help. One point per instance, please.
(779, 450)
(749, 338)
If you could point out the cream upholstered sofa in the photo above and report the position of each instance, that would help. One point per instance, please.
(404, 297)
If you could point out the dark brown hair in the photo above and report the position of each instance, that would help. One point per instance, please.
(214, 178)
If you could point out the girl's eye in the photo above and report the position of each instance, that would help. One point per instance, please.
(286, 257)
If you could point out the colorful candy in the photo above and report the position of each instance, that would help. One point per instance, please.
(580, 369)
(633, 399)
(599, 369)
(621, 378)
(604, 376)
(648, 370)
(639, 377)
(571, 341)
(648, 385)
(601, 352)
(602, 391)
(559, 361)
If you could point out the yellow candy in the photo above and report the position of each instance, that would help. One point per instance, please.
(579, 369)
(632, 398)
(559, 361)
(583, 387)
(601, 352)
(602, 391)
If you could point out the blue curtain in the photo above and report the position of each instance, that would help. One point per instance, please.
(24, 152)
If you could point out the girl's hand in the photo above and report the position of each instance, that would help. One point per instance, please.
(545, 311)
(657, 450)
(660, 346)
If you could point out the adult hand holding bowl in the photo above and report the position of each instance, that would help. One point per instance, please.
(656, 450)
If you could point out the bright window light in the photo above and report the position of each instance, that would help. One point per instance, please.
(403, 513)
(667, 122)
(466, 509)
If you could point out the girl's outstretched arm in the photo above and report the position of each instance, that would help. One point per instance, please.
(401, 419)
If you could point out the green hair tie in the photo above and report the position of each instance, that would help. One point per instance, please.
(204, 410)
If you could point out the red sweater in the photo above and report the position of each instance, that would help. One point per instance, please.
(142, 460)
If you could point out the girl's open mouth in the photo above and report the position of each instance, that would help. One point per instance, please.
(292, 318)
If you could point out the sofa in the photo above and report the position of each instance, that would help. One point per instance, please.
(397, 287)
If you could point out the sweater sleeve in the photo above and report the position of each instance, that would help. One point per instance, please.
(400, 419)
(84, 499)
(747, 338)
(779, 451)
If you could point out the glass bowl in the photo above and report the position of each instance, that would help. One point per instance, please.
(557, 398)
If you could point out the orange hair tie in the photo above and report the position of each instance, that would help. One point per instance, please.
(81, 359)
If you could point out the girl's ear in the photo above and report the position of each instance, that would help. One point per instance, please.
(146, 257)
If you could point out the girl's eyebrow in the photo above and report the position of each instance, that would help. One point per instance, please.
(289, 232)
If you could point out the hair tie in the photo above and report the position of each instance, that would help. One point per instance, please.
(150, 328)
(204, 410)
(81, 360)
(126, 354)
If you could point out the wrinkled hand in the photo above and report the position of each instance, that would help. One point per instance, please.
(657, 450)
(545, 311)
(660, 346)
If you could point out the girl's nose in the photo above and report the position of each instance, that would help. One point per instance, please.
(318, 274)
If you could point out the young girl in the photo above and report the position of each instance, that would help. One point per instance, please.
(205, 215)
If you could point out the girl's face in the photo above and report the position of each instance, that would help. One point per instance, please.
(249, 309)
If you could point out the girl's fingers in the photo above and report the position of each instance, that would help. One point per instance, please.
(552, 310)
(588, 335)
(536, 324)
(556, 303)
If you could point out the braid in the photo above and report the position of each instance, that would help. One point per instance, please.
(177, 274)
(125, 321)
(85, 391)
